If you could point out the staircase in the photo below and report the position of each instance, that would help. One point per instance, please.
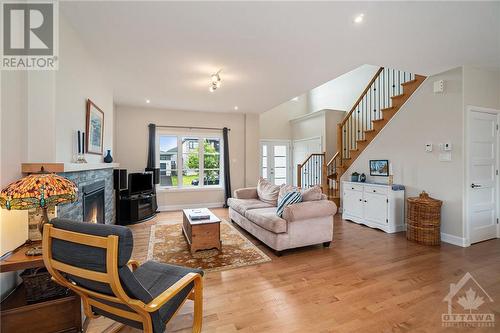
(382, 98)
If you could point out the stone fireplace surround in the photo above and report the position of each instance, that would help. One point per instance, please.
(81, 178)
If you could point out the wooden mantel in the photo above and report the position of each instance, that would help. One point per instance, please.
(65, 167)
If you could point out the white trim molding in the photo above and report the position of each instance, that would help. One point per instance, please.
(454, 240)
(169, 208)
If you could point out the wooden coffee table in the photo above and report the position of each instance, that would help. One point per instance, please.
(201, 234)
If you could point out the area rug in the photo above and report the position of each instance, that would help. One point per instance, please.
(168, 245)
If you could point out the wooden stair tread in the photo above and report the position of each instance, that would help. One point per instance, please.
(369, 131)
(398, 96)
(409, 82)
(361, 140)
(378, 120)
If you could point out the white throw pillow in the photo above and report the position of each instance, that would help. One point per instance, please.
(268, 192)
(312, 193)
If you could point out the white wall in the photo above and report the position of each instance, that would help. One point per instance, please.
(481, 87)
(132, 146)
(79, 77)
(13, 150)
(56, 102)
(341, 93)
(275, 125)
(426, 117)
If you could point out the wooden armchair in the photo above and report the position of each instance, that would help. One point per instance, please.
(93, 260)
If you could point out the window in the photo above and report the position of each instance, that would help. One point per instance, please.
(190, 161)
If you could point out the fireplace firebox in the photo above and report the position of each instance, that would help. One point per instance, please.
(93, 202)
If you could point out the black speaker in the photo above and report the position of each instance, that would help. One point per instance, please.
(156, 174)
(120, 179)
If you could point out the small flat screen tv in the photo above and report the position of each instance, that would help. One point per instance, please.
(139, 183)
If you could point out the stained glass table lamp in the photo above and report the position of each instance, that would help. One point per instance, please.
(38, 190)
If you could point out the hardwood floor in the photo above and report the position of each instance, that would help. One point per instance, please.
(367, 281)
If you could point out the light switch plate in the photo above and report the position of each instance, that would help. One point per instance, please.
(428, 147)
(439, 86)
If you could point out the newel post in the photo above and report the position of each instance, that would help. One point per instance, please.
(299, 175)
(339, 142)
(324, 176)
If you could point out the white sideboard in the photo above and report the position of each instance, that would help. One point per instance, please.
(375, 205)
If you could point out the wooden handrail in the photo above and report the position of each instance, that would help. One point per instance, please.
(333, 158)
(362, 95)
(309, 157)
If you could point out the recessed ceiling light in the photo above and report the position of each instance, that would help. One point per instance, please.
(295, 99)
(359, 18)
(236, 107)
(148, 101)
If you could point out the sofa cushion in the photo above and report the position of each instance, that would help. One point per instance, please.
(312, 193)
(242, 205)
(288, 199)
(268, 192)
(284, 189)
(267, 219)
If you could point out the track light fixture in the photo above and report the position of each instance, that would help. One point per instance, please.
(216, 81)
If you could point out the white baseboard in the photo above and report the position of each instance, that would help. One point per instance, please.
(169, 208)
(454, 240)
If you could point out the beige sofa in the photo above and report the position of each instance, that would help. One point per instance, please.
(304, 223)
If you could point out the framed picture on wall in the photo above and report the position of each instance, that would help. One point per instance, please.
(95, 128)
(379, 168)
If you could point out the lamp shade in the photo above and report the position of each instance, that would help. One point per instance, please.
(38, 190)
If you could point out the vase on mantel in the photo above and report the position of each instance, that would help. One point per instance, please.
(108, 158)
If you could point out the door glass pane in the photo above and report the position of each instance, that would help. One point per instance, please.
(168, 160)
(280, 162)
(191, 162)
(279, 181)
(264, 162)
(280, 172)
(279, 151)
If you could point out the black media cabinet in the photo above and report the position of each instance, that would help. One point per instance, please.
(136, 208)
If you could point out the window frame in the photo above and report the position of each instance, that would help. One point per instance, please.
(201, 136)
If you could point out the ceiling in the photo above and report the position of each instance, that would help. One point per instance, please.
(270, 52)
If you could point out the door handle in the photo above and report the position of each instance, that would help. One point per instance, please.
(475, 185)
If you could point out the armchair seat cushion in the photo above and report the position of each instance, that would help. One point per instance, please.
(157, 278)
(242, 205)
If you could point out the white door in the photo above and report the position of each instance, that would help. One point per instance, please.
(302, 149)
(482, 170)
(375, 208)
(275, 161)
(353, 203)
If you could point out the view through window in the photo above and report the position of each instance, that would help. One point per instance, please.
(190, 161)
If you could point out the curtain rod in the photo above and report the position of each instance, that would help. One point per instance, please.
(193, 127)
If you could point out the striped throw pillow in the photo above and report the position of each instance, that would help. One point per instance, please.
(288, 199)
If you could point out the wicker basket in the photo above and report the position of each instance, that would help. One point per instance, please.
(423, 223)
(39, 286)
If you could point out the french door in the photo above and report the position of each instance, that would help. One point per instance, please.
(275, 161)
